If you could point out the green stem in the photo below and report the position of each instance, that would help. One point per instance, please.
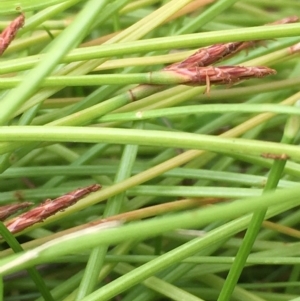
(42, 16)
(258, 217)
(149, 137)
(213, 11)
(201, 109)
(153, 78)
(113, 206)
(188, 40)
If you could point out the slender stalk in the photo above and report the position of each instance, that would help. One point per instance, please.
(200, 109)
(291, 129)
(113, 206)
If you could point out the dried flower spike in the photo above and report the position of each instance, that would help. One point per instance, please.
(207, 56)
(10, 32)
(222, 75)
(48, 208)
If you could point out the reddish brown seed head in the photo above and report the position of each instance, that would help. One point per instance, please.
(223, 74)
(48, 208)
(10, 32)
(207, 56)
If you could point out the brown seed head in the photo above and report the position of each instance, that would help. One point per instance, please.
(223, 74)
(48, 208)
(10, 32)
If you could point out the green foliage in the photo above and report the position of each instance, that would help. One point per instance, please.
(189, 174)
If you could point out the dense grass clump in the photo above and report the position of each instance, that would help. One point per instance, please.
(146, 166)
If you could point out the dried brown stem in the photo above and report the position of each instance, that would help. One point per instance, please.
(48, 208)
(10, 32)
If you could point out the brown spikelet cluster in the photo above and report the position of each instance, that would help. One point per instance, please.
(197, 67)
(44, 210)
(207, 56)
(224, 74)
(9, 33)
